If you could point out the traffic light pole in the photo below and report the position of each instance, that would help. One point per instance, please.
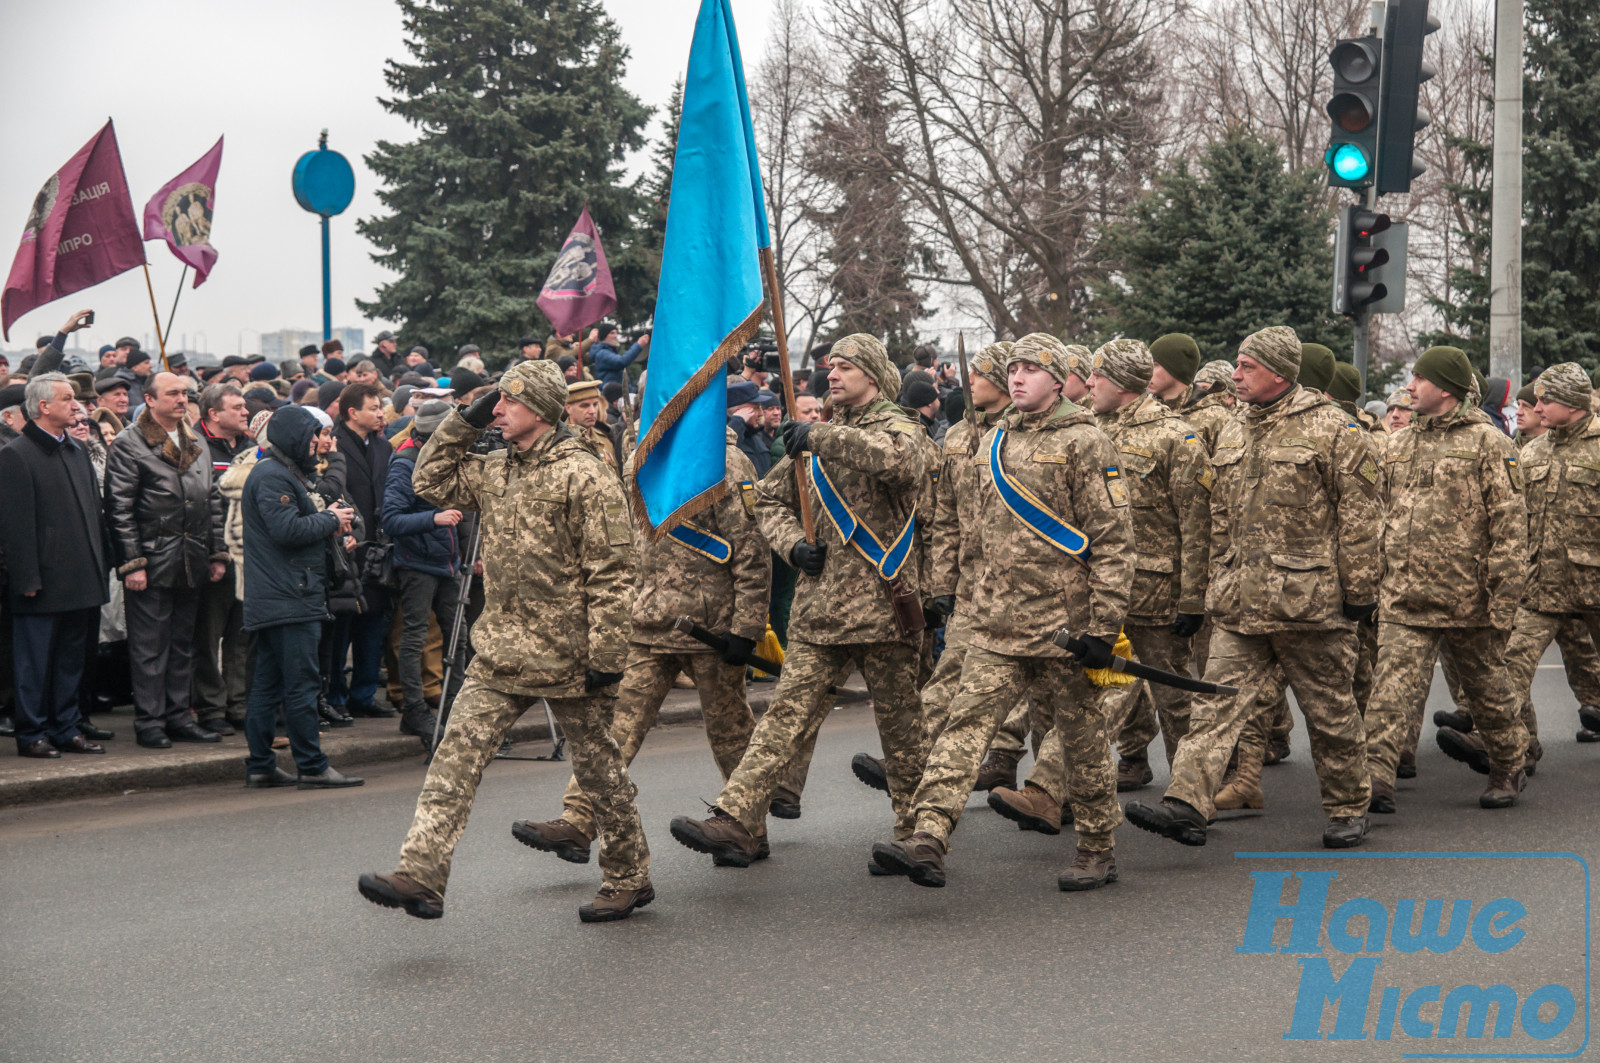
(1363, 321)
(1505, 215)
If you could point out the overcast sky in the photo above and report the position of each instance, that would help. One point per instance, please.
(176, 75)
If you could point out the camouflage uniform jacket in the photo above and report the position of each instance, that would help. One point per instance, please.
(1363, 418)
(1561, 471)
(1455, 535)
(557, 550)
(1296, 518)
(927, 507)
(956, 533)
(676, 581)
(1207, 417)
(1027, 588)
(600, 444)
(878, 464)
(1168, 478)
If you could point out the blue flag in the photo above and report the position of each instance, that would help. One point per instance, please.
(709, 303)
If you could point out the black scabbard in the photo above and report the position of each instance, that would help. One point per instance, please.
(1073, 645)
(688, 627)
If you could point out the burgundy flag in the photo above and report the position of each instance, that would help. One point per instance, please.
(80, 232)
(180, 214)
(579, 291)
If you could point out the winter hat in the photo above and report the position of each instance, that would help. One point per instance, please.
(1316, 366)
(327, 393)
(1446, 368)
(867, 353)
(991, 363)
(918, 391)
(1043, 350)
(263, 371)
(258, 426)
(1277, 349)
(1346, 383)
(1178, 354)
(1402, 398)
(1567, 384)
(1080, 363)
(1127, 364)
(1527, 395)
(538, 385)
(136, 357)
(1217, 374)
(401, 398)
(429, 418)
(333, 366)
(298, 391)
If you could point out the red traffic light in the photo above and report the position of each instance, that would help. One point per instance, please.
(1366, 222)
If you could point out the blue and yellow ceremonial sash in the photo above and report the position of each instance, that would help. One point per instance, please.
(852, 530)
(1034, 514)
(702, 542)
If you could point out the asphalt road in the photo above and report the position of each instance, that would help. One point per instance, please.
(215, 924)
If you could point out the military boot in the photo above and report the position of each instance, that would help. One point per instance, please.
(558, 836)
(1241, 791)
(763, 850)
(1345, 833)
(1467, 748)
(1589, 717)
(1031, 808)
(920, 857)
(1455, 719)
(785, 804)
(869, 769)
(1382, 799)
(1091, 869)
(1530, 763)
(719, 835)
(1133, 773)
(999, 768)
(1407, 768)
(611, 904)
(1172, 818)
(401, 891)
(1503, 789)
(1277, 751)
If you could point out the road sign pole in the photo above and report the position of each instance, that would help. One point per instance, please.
(327, 288)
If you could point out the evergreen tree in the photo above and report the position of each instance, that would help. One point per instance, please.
(658, 189)
(522, 118)
(1218, 254)
(871, 248)
(1465, 314)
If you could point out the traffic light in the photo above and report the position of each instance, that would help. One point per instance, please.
(1400, 118)
(1354, 259)
(1353, 146)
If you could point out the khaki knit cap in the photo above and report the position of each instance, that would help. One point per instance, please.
(867, 354)
(540, 386)
(1399, 397)
(1217, 373)
(1346, 383)
(1043, 350)
(1178, 354)
(1567, 384)
(1316, 366)
(991, 363)
(1126, 363)
(1277, 349)
(1080, 363)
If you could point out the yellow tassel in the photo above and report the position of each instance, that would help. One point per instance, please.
(1110, 677)
(770, 649)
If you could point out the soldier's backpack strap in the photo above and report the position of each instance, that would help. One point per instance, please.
(1034, 514)
(888, 560)
(695, 538)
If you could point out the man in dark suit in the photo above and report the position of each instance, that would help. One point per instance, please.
(359, 437)
(53, 534)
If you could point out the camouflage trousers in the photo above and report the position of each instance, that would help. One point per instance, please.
(990, 685)
(800, 703)
(792, 782)
(479, 720)
(1051, 771)
(1531, 634)
(1134, 710)
(1578, 658)
(1012, 734)
(1317, 666)
(1366, 666)
(646, 680)
(1404, 674)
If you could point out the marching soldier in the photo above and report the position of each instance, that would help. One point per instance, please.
(856, 602)
(1454, 536)
(714, 569)
(1056, 553)
(558, 564)
(1295, 524)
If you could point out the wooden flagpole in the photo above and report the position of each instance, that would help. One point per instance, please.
(160, 340)
(801, 481)
(181, 278)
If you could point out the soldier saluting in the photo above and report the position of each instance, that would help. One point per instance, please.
(558, 567)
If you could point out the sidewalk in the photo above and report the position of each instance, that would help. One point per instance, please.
(127, 767)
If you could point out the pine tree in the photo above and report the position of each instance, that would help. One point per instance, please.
(658, 188)
(871, 248)
(522, 118)
(1218, 254)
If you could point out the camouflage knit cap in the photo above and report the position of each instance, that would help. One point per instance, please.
(1080, 363)
(1399, 397)
(1316, 366)
(1043, 350)
(540, 386)
(1277, 349)
(1216, 373)
(1126, 363)
(991, 363)
(1567, 384)
(1178, 354)
(867, 354)
(1346, 383)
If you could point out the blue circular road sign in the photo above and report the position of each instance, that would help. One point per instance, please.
(324, 183)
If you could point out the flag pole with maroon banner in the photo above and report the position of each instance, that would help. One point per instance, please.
(180, 213)
(578, 292)
(81, 231)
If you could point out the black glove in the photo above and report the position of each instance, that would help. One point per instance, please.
(737, 649)
(594, 680)
(1358, 613)
(1096, 652)
(808, 557)
(938, 610)
(794, 436)
(480, 414)
(1187, 624)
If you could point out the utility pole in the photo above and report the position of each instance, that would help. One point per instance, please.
(1505, 219)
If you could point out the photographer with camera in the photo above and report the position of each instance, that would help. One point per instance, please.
(611, 367)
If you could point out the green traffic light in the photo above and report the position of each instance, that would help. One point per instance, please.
(1348, 162)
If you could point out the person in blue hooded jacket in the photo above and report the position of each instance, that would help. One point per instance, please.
(610, 366)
